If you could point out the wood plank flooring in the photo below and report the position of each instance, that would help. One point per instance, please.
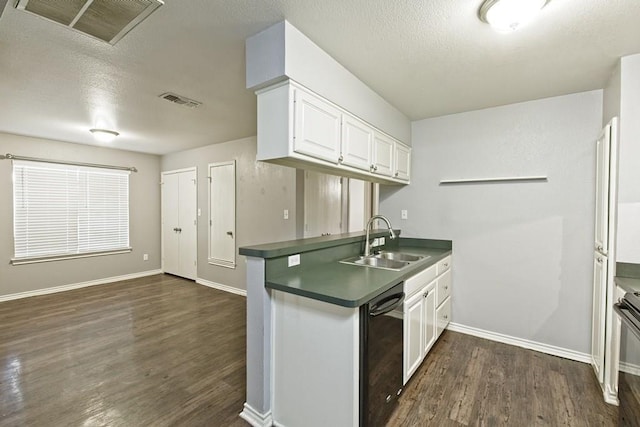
(160, 351)
(152, 351)
(469, 381)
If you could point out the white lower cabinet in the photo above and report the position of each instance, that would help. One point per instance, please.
(427, 312)
(413, 335)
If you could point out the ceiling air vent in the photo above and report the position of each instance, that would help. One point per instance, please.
(106, 20)
(180, 100)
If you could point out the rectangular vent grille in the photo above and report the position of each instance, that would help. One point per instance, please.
(180, 100)
(106, 20)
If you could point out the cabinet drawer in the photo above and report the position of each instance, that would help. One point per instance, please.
(444, 287)
(415, 283)
(444, 265)
(443, 316)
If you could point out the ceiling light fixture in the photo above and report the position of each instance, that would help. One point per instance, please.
(104, 135)
(508, 15)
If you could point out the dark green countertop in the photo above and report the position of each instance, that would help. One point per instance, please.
(291, 247)
(628, 276)
(352, 285)
(628, 284)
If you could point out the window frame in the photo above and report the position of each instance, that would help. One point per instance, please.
(83, 195)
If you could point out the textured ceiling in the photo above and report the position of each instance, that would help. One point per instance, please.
(428, 58)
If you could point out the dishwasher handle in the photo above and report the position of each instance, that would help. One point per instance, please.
(387, 304)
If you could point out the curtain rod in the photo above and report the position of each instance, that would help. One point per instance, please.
(64, 162)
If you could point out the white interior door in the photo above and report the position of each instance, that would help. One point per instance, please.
(322, 204)
(602, 190)
(170, 222)
(222, 214)
(599, 311)
(179, 223)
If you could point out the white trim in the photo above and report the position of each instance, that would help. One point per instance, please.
(35, 260)
(72, 286)
(610, 396)
(519, 342)
(255, 418)
(630, 368)
(221, 287)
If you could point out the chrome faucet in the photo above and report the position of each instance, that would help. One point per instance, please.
(367, 244)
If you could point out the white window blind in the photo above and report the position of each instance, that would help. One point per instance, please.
(63, 210)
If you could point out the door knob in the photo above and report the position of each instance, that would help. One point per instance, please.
(230, 233)
(179, 230)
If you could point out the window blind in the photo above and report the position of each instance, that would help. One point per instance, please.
(65, 210)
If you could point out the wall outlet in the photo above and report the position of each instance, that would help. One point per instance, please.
(286, 214)
(293, 260)
(199, 212)
(145, 257)
(404, 214)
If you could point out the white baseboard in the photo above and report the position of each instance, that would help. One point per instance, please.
(255, 418)
(221, 287)
(519, 342)
(630, 368)
(72, 286)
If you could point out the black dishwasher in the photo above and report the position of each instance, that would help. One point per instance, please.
(381, 349)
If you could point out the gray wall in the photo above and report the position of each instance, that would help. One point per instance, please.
(263, 192)
(144, 218)
(522, 251)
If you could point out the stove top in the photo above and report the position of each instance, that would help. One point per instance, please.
(632, 301)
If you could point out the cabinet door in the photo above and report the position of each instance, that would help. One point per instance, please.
(602, 190)
(316, 130)
(383, 152)
(443, 316)
(402, 162)
(413, 335)
(429, 319)
(598, 317)
(357, 139)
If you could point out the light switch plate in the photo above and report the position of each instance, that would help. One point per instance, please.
(286, 214)
(404, 214)
(293, 260)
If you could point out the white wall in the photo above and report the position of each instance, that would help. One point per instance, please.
(144, 218)
(282, 51)
(522, 251)
(263, 191)
(628, 235)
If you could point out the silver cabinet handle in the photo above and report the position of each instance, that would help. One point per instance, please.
(340, 159)
(445, 316)
(396, 174)
(599, 260)
(446, 287)
(446, 264)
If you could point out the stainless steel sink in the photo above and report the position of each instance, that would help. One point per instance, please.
(385, 260)
(399, 256)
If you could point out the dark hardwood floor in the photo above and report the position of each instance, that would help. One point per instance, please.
(160, 351)
(157, 351)
(472, 381)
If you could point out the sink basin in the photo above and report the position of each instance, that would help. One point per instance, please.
(370, 261)
(399, 256)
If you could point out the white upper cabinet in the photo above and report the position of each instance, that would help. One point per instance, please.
(403, 162)
(357, 138)
(384, 149)
(299, 128)
(316, 131)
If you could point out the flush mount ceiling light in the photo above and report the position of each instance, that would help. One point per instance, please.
(104, 135)
(509, 15)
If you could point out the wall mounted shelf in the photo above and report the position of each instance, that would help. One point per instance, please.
(494, 180)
